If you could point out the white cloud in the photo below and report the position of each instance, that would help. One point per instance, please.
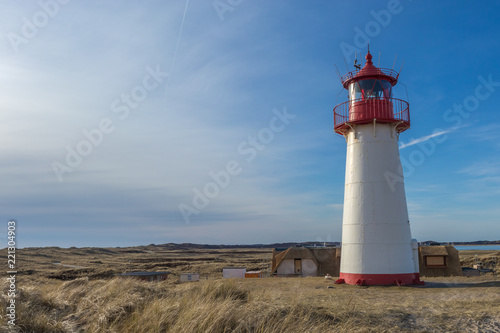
(490, 132)
(482, 168)
(424, 138)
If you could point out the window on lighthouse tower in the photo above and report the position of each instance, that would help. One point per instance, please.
(369, 89)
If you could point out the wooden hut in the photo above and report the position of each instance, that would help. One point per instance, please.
(439, 261)
(254, 274)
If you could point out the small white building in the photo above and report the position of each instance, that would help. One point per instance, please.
(187, 277)
(233, 272)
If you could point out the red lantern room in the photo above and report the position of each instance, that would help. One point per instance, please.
(370, 99)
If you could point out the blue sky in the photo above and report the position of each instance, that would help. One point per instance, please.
(115, 115)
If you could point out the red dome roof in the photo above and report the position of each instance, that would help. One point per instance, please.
(369, 71)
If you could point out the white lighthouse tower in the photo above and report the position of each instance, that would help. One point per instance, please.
(377, 247)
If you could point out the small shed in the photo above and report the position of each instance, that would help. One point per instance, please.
(146, 276)
(306, 261)
(233, 272)
(253, 274)
(440, 260)
(187, 277)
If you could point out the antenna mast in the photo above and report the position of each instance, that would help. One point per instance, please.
(401, 68)
(394, 61)
(338, 73)
(356, 65)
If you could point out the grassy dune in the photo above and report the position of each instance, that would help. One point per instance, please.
(255, 305)
(54, 298)
(102, 261)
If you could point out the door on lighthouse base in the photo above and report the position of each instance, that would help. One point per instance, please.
(298, 266)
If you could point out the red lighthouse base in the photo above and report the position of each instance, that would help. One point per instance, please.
(380, 279)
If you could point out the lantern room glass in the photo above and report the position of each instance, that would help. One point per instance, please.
(369, 89)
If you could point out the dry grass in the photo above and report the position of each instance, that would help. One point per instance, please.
(489, 258)
(256, 305)
(102, 262)
(98, 303)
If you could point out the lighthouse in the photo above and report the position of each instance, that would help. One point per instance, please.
(377, 248)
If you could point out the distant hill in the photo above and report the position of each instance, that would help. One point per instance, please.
(497, 242)
(192, 246)
(185, 246)
(482, 242)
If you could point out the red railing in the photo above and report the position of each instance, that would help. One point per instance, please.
(387, 110)
(386, 71)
